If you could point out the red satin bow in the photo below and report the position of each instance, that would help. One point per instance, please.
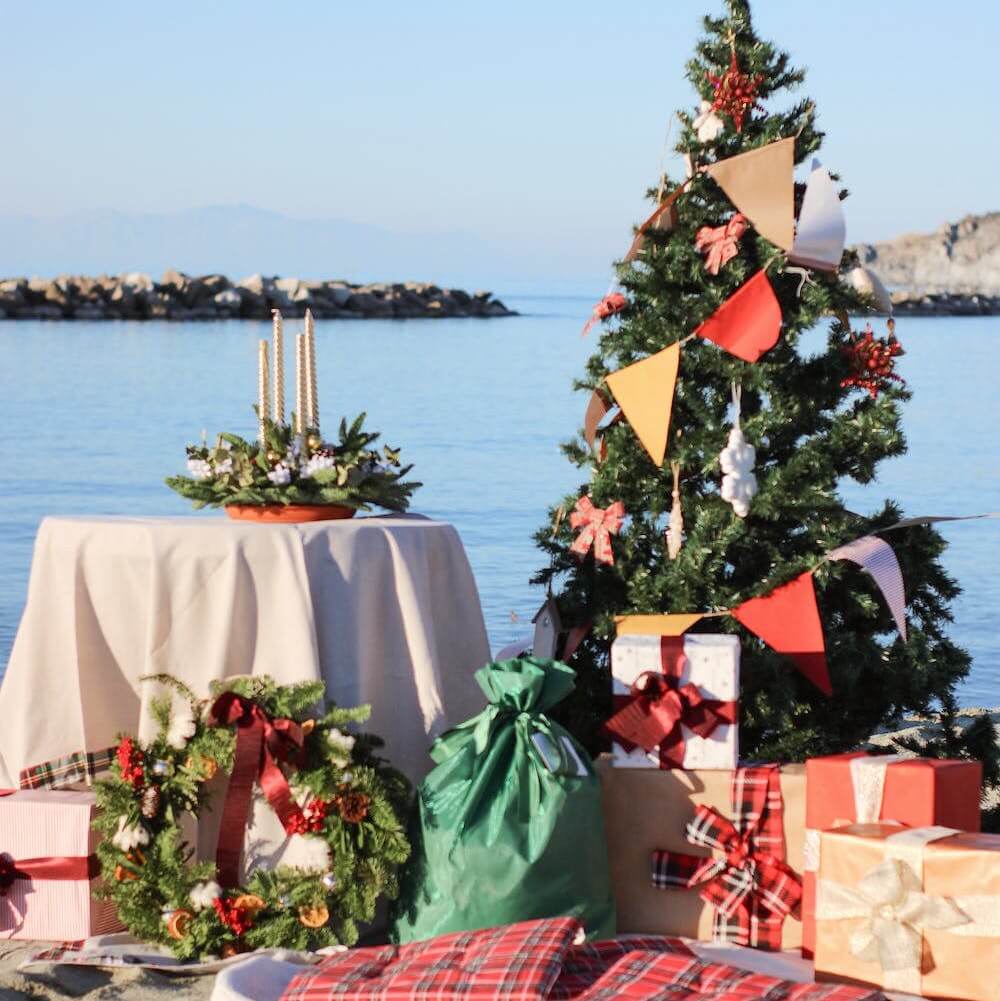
(261, 742)
(652, 714)
(596, 526)
(612, 303)
(720, 242)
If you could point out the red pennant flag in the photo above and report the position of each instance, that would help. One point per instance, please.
(748, 323)
(787, 620)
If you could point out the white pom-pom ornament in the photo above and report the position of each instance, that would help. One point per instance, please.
(739, 485)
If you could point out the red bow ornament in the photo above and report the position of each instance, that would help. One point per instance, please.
(596, 526)
(261, 743)
(747, 882)
(656, 711)
(612, 303)
(720, 242)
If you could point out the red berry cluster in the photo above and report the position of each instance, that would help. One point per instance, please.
(872, 361)
(130, 763)
(311, 818)
(735, 92)
(239, 919)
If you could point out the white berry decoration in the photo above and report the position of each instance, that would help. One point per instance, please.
(739, 485)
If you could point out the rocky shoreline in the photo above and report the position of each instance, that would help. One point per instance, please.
(945, 304)
(180, 297)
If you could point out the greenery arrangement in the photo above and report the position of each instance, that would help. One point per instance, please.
(812, 430)
(291, 468)
(350, 814)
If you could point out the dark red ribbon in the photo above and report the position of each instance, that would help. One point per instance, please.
(652, 713)
(261, 742)
(48, 867)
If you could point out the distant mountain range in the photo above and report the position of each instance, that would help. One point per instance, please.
(959, 258)
(242, 240)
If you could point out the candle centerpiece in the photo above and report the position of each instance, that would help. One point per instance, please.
(290, 473)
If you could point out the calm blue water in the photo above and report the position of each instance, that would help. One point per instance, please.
(94, 415)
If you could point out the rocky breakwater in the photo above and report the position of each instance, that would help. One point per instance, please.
(181, 297)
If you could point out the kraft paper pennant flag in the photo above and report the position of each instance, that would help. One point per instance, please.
(645, 392)
(656, 625)
(748, 323)
(598, 407)
(663, 219)
(787, 620)
(821, 231)
(879, 559)
(760, 184)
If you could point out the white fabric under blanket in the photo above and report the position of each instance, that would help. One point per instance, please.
(385, 610)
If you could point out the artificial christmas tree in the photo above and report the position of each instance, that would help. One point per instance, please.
(736, 313)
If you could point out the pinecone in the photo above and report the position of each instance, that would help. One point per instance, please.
(353, 806)
(151, 798)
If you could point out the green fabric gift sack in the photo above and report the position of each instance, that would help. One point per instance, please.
(508, 826)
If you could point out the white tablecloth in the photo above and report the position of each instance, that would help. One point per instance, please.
(385, 610)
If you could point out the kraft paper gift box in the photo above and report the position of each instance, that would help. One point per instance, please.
(914, 910)
(709, 663)
(48, 870)
(647, 811)
(860, 788)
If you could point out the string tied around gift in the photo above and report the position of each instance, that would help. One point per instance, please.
(658, 708)
(262, 743)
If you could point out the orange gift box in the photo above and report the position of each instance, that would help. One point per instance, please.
(914, 910)
(915, 792)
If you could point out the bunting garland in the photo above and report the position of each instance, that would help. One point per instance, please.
(748, 323)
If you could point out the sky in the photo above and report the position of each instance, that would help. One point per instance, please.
(537, 125)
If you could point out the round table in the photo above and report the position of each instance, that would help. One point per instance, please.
(384, 610)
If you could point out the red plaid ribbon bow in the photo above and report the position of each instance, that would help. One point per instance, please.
(653, 713)
(612, 303)
(750, 885)
(720, 242)
(596, 526)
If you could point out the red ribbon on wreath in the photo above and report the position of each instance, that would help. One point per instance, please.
(261, 743)
(596, 525)
(658, 706)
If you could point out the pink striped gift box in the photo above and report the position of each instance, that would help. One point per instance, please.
(48, 869)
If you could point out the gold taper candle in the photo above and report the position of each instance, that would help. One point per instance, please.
(279, 369)
(312, 402)
(263, 407)
(300, 383)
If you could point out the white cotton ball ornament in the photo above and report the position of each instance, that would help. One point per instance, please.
(739, 485)
(708, 124)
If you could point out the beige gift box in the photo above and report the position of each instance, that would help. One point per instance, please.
(915, 910)
(646, 810)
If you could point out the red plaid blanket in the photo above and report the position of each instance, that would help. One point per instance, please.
(747, 882)
(536, 961)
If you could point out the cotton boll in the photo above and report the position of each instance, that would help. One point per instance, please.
(708, 125)
(739, 484)
(129, 836)
(202, 894)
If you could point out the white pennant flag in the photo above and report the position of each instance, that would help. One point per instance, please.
(878, 558)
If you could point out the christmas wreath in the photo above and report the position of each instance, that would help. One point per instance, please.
(326, 785)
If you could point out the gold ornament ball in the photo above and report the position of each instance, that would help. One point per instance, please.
(314, 441)
(273, 456)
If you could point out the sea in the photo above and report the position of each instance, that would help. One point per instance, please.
(94, 415)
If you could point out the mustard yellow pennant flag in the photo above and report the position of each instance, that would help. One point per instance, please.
(645, 392)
